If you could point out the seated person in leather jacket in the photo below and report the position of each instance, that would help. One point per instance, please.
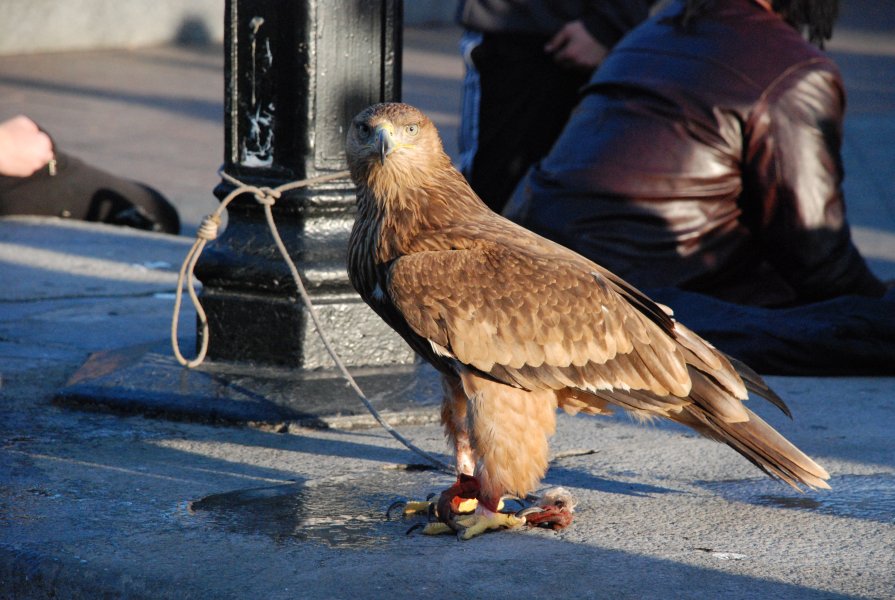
(705, 156)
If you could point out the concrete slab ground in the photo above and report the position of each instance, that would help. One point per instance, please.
(100, 505)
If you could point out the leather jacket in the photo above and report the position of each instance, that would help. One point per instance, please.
(706, 157)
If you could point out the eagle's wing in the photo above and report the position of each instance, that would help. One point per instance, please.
(536, 322)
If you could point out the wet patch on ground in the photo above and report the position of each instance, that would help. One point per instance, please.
(345, 514)
(869, 497)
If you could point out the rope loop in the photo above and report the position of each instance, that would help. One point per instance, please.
(208, 231)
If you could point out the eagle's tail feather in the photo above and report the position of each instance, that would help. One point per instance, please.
(761, 445)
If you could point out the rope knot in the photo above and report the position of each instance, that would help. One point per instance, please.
(267, 196)
(208, 230)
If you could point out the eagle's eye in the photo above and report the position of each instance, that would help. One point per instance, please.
(363, 130)
(412, 129)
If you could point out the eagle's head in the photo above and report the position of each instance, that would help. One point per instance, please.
(393, 143)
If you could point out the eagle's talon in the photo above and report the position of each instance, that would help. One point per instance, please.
(402, 504)
(414, 527)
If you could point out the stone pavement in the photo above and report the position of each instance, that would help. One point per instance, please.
(97, 505)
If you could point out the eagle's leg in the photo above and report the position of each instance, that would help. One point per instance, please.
(508, 429)
(454, 500)
(462, 497)
(454, 417)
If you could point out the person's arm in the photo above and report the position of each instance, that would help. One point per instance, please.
(584, 42)
(609, 21)
(793, 178)
(24, 148)
(574, 47)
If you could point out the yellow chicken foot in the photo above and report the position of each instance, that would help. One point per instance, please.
(470, 526)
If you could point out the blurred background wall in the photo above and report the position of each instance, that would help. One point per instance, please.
(28, 26)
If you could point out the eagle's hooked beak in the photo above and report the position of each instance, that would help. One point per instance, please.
(384, 142)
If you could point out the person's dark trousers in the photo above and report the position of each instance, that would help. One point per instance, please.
(78, 191)
(848, 335)
(525, 101)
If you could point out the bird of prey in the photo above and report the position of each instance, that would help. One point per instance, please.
(519, 326)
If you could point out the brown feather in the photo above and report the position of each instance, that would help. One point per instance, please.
(525, 324)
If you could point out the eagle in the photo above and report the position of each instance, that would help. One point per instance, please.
(519, 326)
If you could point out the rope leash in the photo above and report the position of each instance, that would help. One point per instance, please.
(208, 231)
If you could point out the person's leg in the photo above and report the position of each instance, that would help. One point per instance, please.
(525, 102)
(849, 335)
(79, 191)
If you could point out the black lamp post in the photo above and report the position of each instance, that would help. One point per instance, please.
(296, 73)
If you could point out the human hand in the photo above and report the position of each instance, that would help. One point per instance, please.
(23, 147)
(574, 47)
